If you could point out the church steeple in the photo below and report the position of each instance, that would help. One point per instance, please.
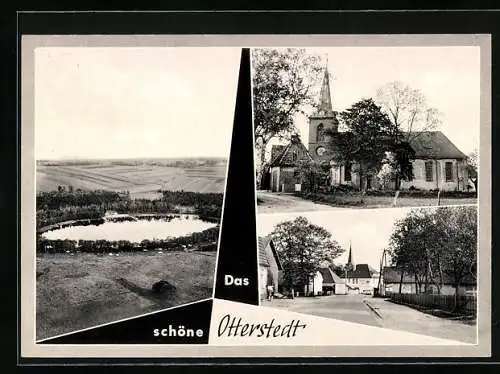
(350, 264)
(325, 107)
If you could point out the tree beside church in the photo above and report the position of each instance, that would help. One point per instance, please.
(371, 153)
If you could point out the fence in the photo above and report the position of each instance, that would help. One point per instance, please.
(467, 304)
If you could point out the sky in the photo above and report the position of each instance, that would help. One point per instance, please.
(449, 77)
(367, 230)
(126, 102)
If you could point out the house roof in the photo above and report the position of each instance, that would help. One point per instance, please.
(327, 275)
(434, 144)
(392, 274)
(264, 259)
(283, 154)
(361, 271)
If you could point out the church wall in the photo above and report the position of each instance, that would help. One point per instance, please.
(459, 176)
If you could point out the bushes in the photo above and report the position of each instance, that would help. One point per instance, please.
(206, 240)
(340, 191)
(333, 199)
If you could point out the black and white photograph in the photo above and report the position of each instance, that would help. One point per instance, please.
(405, 269)
(366, 126)
(131, 148)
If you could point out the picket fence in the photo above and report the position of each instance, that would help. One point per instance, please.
(467, 304)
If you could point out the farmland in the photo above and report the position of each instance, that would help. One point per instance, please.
(82, 290)
(141, 177)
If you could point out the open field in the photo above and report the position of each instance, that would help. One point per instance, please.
(273, 202)
(142, 178)
(84, 290)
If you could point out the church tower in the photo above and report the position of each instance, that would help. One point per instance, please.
(322, 119)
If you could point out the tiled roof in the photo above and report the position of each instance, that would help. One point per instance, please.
(329, 276)
(264, 260)
(434, 144)
(283, 156)
(361, 271)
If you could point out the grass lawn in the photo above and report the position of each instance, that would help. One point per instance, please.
(84, 290)
(367, 201)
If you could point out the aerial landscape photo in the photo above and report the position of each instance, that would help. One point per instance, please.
(131, 148)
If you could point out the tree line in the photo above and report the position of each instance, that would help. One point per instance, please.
(205, 240)
(59, 206)
(435, 246)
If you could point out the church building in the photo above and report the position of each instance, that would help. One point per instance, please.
(438, 163)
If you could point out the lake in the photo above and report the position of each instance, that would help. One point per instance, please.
(133, 231)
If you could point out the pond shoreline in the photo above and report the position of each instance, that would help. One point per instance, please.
(100, 220)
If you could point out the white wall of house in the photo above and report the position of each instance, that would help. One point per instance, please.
(315, 285)
(410, 288)
(340, 289)
(458, 180)
(364, 284)
(262, 282)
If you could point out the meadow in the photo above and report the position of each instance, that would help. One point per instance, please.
(141, 177)
(82, 290)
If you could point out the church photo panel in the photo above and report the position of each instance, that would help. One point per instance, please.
(334, 133)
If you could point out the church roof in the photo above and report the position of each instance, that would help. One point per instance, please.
(435, 145)
(264, 259)
(325, 107)
(425, 144)
(284, 155)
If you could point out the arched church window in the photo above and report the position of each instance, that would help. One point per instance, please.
(320, 133)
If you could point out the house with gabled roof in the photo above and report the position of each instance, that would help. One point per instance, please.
(332, 283)
(393, 280)
(270, 266)
(283, 167)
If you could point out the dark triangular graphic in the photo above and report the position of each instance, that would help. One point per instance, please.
(236, 278)
(180, 325)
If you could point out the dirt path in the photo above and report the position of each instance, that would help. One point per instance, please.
(272, 202)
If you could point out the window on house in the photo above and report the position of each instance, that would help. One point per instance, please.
(347, 172)
(448, 170)
(429, 171)
(294, 156)
(320, 132)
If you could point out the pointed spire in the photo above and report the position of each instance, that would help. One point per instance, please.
(349, 260)
(325, 100)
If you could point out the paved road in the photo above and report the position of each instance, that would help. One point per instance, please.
(273, 202)
(356, 308)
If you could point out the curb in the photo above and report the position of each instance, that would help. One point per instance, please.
(373, 309)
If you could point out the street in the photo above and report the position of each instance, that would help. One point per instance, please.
(272, 202)
(380, 313)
